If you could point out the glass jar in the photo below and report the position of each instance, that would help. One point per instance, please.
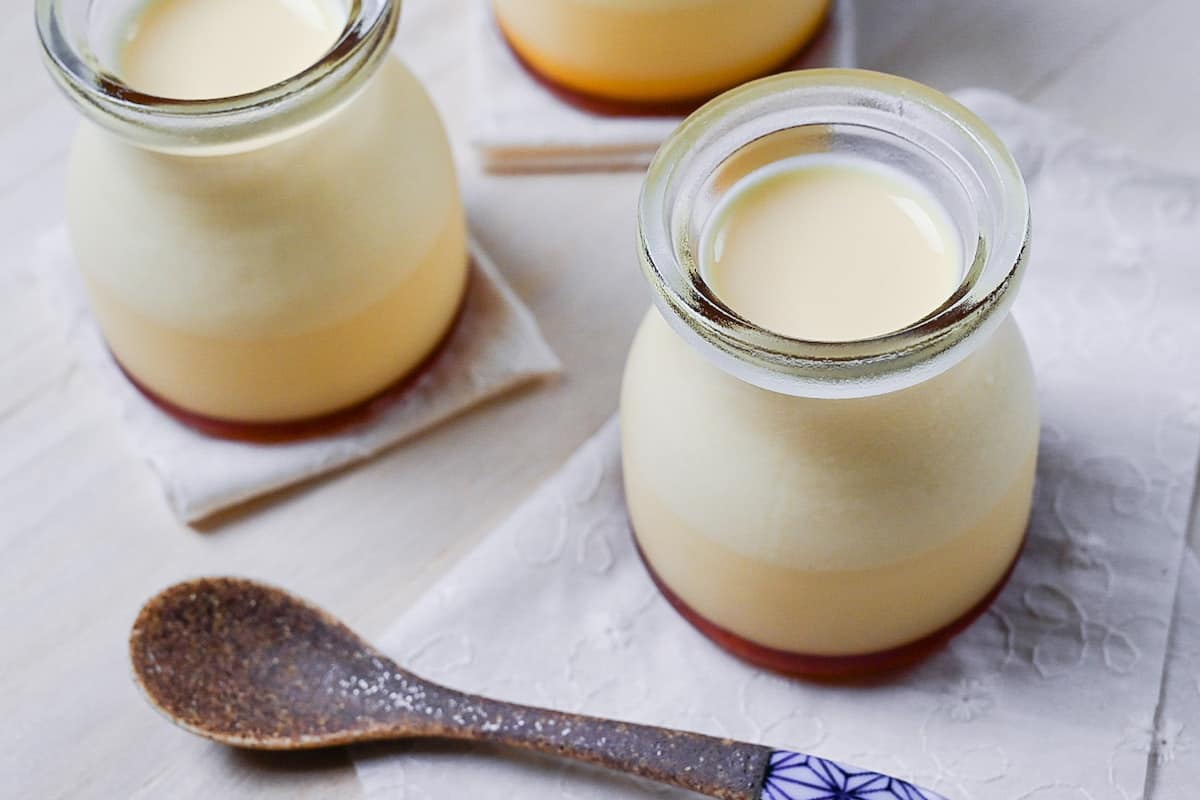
(264, 263)
(831, 507)
(657, 51)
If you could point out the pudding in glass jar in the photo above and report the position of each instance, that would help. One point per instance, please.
(829, 421)
(262, 204)
(657, 51)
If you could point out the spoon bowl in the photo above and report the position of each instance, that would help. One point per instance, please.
(250, 666)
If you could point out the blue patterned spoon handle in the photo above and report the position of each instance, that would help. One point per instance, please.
(798, 776)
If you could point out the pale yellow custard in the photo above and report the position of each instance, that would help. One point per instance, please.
(657, 50)
(831, 249)
(829, 527)
(197, 49)
(282, 280)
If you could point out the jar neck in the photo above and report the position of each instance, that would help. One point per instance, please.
(68, 30)
(862, 114)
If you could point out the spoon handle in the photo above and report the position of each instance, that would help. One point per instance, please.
(720, 768)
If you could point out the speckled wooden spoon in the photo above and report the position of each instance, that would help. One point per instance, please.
(252, 666)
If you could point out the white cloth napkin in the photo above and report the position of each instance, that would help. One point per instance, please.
(495, 346)
(520, 125)
(1051, 695)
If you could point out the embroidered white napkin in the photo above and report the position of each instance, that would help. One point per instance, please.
(1051, 695)
(495, 346)
(518, 124)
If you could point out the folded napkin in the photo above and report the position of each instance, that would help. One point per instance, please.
(1052, 694)
(519, 124)
(495, 346)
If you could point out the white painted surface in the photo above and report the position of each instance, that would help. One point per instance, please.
(85, 536)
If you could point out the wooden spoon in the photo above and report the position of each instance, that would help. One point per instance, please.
(252, 666)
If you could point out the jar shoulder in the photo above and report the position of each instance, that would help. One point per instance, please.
(999, 369)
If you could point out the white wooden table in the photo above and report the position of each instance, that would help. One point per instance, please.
(85, 536)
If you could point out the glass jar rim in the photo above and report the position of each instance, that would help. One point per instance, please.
(174, 124)
(814, 368)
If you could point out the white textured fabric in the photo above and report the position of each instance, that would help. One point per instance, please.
(495, 346)
(1172, 737)
(1052, 694)
(520, 125)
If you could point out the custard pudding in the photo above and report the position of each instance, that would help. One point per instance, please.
(657, 51)
(794, 510)
(277, 280)
(828, 527)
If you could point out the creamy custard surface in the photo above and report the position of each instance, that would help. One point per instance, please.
(201, 49)
(831, 249)
(279, 281)
(657, 50)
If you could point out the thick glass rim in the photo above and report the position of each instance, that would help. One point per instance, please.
(168, 123)
(881, 102)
